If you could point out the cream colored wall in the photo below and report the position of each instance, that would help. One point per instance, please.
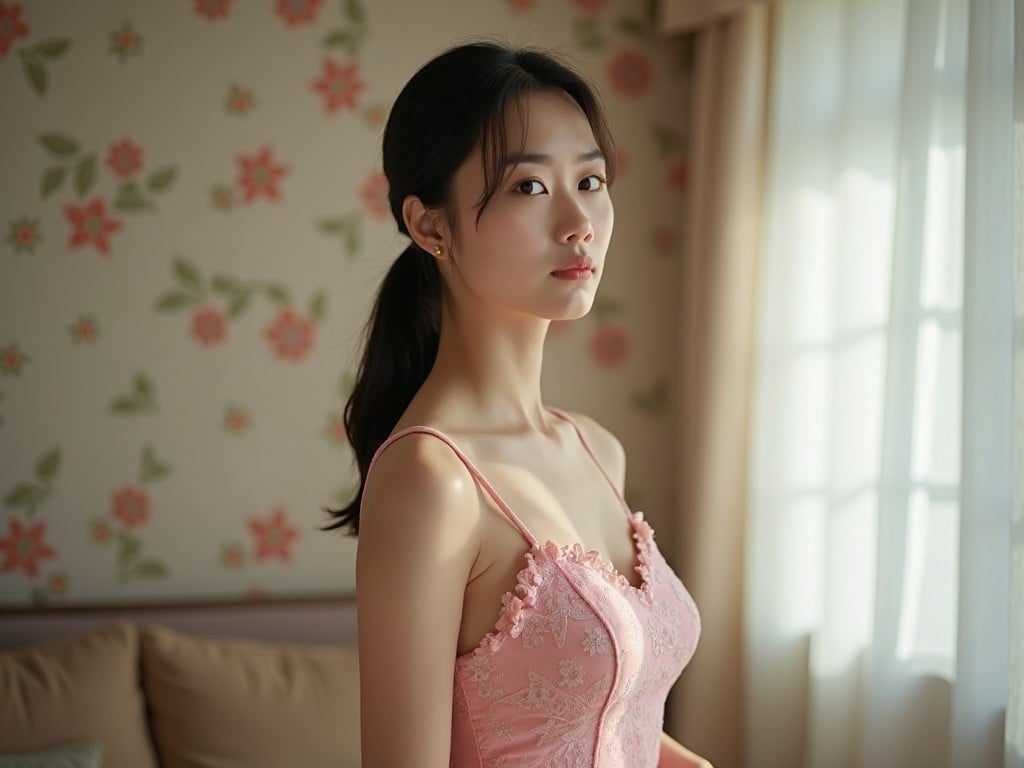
(143, 459)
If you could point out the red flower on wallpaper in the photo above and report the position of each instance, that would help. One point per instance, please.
(23, 548)
(294, 12)
(274, 536)
(664, 240)
(259, 176)
(339, 85)
(374, 194)
(125, 42)
(100, 532)
(58, 583)
(130, 506)
(24, 235)
(125, 159)
(236, 420)
(11, 26)
(91, 225)
(291, 335)
(679, 175)
(609, 346)
(521, 6)
(212, 9)
(232, 556)
(209, 326)
(84, 329)
(631, 74)
(239, 101)
(591, 7)
(12, 360)
(336, 430)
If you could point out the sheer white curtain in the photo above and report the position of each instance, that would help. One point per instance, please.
(878, 586)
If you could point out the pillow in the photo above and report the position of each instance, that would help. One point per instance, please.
(248, 704)
(79, 754)
(84, 688)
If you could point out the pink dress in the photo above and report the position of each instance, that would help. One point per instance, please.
(578, 667)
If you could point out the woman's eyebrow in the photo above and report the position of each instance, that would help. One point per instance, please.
(541, 159)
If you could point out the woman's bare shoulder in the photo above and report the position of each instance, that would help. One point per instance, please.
(418, 474)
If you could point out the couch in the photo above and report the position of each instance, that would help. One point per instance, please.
(216, 686)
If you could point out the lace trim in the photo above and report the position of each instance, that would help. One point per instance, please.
(530, 579)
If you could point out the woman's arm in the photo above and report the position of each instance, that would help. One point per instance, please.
(675, 755)
(417, 545)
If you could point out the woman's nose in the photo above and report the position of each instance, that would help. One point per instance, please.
(575, 225)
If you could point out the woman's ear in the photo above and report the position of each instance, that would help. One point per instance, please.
(423, 224)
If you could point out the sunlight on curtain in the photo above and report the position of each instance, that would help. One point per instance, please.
(866, 595)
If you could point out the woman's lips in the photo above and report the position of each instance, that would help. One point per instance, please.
(573, 273)
(579, 268)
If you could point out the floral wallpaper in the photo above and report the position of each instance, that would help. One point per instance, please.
(194, 223)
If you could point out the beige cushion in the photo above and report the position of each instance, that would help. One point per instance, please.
(76, 754)
(246, 704)
(84, 688)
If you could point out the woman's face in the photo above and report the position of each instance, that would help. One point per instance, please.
(539, 246)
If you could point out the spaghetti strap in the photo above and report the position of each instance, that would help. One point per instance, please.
(476, 473)
(586, 444)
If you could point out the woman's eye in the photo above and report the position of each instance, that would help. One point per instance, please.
(592, 183)
(532, 187)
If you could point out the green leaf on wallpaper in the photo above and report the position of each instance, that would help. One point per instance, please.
(605, 307)
(173, 301)
(125, 404)
(130, 198)
(59, 144)
(52, 178)
(152, 468)
(161, 178)
(85, 174)
(665, 139)
(318, 306)
(225, 285)
(344, 39)
(21, 495)
(588, 34)
(349, 227)
(47, 466)
(127, 547)
(53, 48)
(188, 276)
(635, 27)
(354, 10)
(276, 292)
(149, 569)
(333, 226)
(141, 399)
(652, 400)
(238, 304)
(35, 71)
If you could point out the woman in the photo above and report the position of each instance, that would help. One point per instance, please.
(476, 497)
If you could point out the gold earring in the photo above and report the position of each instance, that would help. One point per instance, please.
(437, 250)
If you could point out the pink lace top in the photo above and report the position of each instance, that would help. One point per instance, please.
(578, 667)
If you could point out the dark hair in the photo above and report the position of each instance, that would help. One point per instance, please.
(457, 102)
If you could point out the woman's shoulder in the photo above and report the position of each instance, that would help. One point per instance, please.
(419, 474)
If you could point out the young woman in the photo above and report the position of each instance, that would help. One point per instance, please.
(477, 500)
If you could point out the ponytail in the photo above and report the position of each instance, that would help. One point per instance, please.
(400, 347)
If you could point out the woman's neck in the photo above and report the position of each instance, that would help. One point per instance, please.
(492, 369)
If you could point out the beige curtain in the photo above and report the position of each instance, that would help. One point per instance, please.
(867, 676)
(719, 274)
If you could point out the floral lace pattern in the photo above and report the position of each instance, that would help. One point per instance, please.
(578, 667)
